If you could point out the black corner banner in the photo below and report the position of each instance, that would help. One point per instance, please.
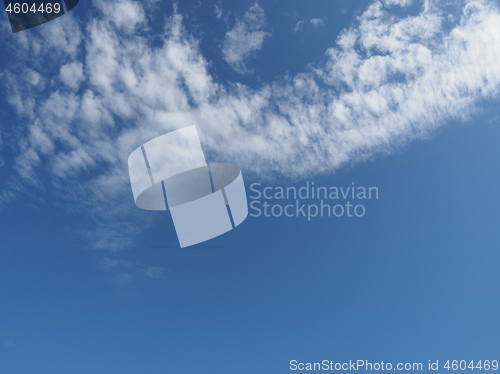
(70, 4)
(25, 14)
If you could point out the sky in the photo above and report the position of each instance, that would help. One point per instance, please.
(400, 95)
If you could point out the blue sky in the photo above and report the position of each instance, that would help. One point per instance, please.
(401, 95)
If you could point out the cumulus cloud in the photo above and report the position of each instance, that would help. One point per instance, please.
(388, 79)
(247, 37)
(126, 15)
(72, 74)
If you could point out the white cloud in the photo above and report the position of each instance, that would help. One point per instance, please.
(314, 22)
(126, 15)
(389, 79)
(398, 2)
(247, 37)
(218, 11)
(72, 74)
(298, 26)
(317, 22)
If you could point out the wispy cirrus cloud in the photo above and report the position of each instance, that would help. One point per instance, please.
(388, 79)
(245, 39)
(218, 11)
(126, 274)
(314, 22)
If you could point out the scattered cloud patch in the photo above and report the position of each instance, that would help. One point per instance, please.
(298, 25)
(388, 79)
(126, 15)
(72, 74)
(317, 22)
(402, 3)
(245, 39)
(218, 11)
